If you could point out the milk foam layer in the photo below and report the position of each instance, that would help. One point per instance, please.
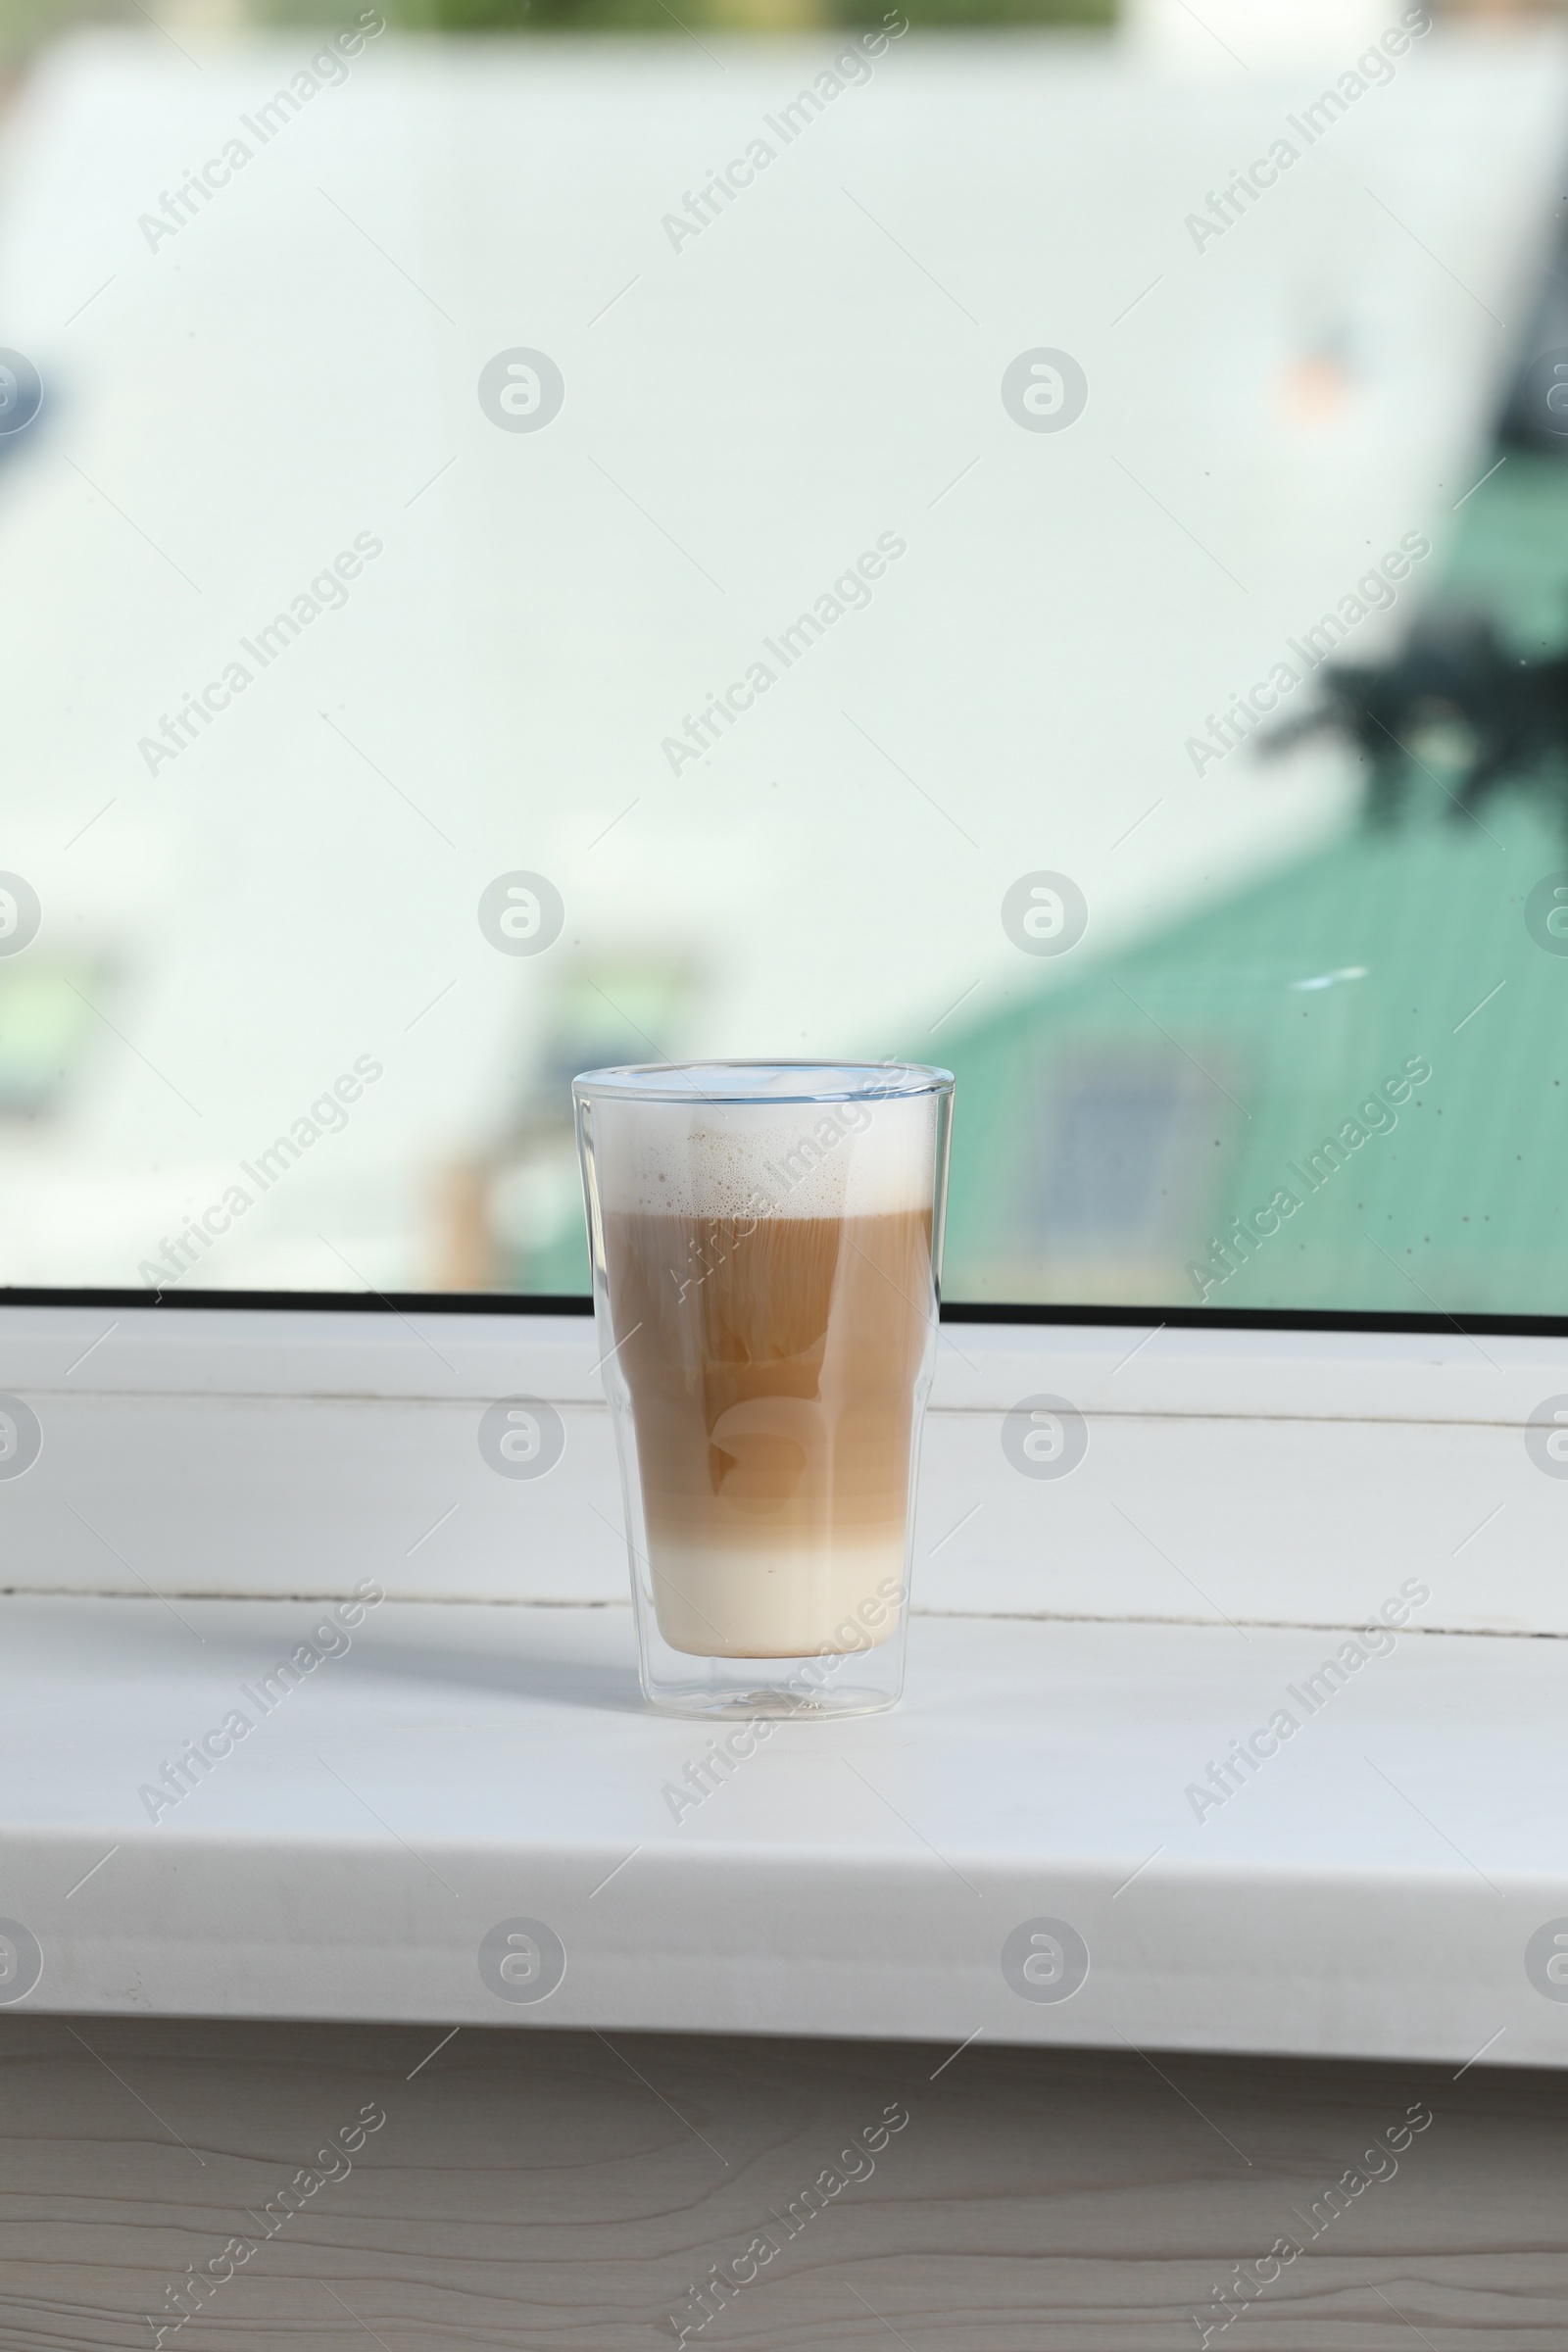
(845, 1158)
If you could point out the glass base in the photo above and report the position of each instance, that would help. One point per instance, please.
(747, 1702)
(804, 1689)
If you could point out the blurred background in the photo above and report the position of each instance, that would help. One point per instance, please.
(545, 532)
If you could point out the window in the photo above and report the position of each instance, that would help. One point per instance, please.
(984, 534)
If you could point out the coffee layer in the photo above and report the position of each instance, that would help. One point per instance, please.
(771, 1366)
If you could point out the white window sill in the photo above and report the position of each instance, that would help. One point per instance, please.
(250, 1452)
(1370, 1892)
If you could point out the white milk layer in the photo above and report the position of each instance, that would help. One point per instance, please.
(713, 1602)
(765, 1160)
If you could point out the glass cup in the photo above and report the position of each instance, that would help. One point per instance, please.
(767, 1241)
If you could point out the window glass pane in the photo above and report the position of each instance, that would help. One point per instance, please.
(543, 536)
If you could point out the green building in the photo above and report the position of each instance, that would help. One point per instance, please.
(1113, 1132)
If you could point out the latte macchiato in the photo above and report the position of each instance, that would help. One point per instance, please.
(770, 1294)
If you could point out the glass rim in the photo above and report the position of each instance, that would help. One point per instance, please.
(721, 1082)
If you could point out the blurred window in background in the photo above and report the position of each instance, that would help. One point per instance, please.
(549, 532)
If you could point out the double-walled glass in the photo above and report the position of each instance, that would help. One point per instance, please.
(767, 1245)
